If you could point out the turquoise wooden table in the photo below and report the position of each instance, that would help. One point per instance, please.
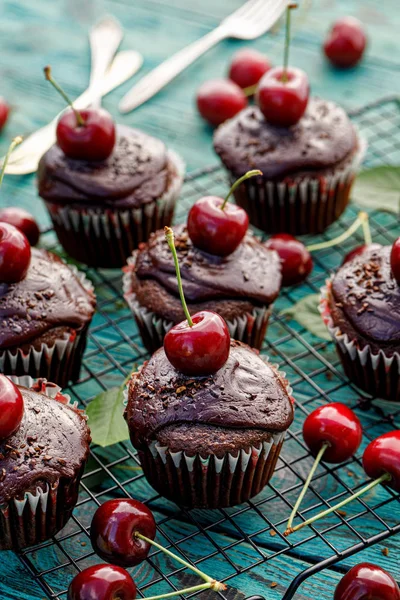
(244, 544)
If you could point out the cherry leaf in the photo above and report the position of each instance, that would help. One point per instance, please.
(306, 313)
(378, 188)
(106, 420)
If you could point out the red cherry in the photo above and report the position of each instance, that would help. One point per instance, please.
(296, 260)
(94, 140)
(395, 260)
(23, 221)
(283, 103)
(346, 42)
(201, 349)
(367, 582)
(247, 67)
(337, 425)
(4, 112)
(383, 456)
(15, 254)
(219, 100)
(11, 407)
(102, 582)
(113, 528)
(358, 250)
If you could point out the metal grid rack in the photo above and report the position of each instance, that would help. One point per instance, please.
(236, 540)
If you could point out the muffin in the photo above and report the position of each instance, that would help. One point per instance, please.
(210, 441)
(241, 287)
(102, 210)
(361, 307)
(44, 319)
(308, 169)
(40, 466)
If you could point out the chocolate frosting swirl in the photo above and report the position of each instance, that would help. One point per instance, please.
(323, 137)
(50, 296)
(245, 393)
(251, 272)
(137, 172)
(51, 442)
(368, 296)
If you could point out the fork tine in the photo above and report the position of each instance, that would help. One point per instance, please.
(262, 19)
(259, 5)
(245, 8)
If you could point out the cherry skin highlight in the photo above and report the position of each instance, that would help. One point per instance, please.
(22, 220)
(201, 349)
(4, 112)
(11, 407)
(113, 528)
(297, 263)
(219, 100)
(337, 425)
(102, 582)
(381, 456)
(15, 254)
(247, 67)
(367, 582)
(395, 260)
(93, 141)
(283, 102)
(344, 47)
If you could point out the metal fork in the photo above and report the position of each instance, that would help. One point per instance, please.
(250, 21)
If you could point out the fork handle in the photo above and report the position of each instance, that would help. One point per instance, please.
(159, 77)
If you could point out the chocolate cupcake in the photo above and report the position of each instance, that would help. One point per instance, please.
(210, 441)
(361, 308)
(44, 320)
(308, 169)
(40, 466)
(241, 287)
(102, 210)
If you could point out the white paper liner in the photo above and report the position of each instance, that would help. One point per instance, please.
(384, 379)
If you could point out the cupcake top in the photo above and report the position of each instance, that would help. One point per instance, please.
(137, 172)
(247, 393)
(52, 442)
(366, 299)
(50, 296)
(324, 137)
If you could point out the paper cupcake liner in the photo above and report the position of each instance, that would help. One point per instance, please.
(60, 362)
(106, 237)
(298, 205)
(212, 481)
(375, 373)
(41, 513)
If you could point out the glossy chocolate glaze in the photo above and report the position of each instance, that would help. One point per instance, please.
(365, 300)
(251, 272)
(246, 393)
(50, 296)
(137, 172)
(322, 138)
(51, 442)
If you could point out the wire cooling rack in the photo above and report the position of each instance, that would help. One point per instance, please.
(247, 539)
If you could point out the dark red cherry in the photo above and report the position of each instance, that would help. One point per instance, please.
(336, 425)
(358, 250)
(201, 349)
(282, 96)
(383, 456)
(395, 260)
(94, 140)
(113, 528)
(102, 582)
(23, 221)
(219, 100)
(297, 263)
(11, 407)
(367, 582)
(15, 254)
(247, 67)
(4, 112)
(346, 42)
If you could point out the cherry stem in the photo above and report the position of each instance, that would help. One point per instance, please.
(196, 588)
(169, 236)
(296, 507)
(212, 583)
(17, 140)
(361, 220)
(284, 76)
(47, 74)
(364, 490)
(238, 182)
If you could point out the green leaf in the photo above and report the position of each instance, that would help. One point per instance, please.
(106, 420)
(378, 189)
(306, 312)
